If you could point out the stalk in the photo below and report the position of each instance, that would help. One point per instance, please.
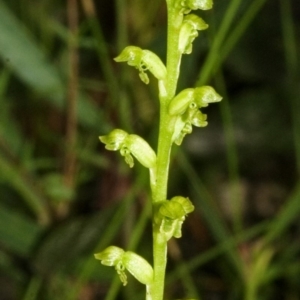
(166, 129)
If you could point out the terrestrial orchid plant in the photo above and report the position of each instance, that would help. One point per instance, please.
(178, 113)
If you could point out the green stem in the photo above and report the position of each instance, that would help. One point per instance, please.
(166, 130)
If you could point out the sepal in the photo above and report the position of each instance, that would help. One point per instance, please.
(138, 267)
(206, 94)
(143, 60)
(180, 102)
(189, 31)
(141, 150)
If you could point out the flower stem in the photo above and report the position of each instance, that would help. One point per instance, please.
(166, 129)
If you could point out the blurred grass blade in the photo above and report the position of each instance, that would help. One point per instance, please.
(237, 32)
(292, 67)
(17, 233)
(21, 54)
(206, 207)
(4, 80)
(218, 53)
(219, 250)
(289, 37)
(13, 176)
(218, 40)
(286, 216)
(33, 288)
(232, 156)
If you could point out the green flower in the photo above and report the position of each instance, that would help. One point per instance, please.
(143, 60)
(186, 106)
(130, 144)
(170, 214)
(121, 260)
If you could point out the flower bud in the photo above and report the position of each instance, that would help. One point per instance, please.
(141, 150)
(180, 102)
(138, 267)
(110, 256)
(189, 31)
(114, 140)
(206, 94)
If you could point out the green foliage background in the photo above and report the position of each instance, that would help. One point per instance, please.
(63, 198)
